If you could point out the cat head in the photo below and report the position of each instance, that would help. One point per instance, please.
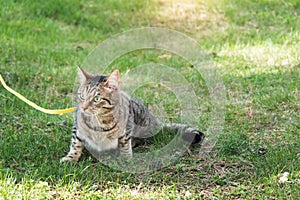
(98, 94)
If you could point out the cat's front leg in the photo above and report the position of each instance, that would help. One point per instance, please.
(75, 148)
(124, 145)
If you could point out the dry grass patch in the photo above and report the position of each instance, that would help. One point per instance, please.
(190, 16)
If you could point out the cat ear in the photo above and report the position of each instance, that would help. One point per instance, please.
(113, 80)
(83, 75)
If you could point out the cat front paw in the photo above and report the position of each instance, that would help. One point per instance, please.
(68, 159)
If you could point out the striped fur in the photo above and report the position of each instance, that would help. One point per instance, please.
(108, 119)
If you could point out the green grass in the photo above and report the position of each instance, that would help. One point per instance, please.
(256, 49)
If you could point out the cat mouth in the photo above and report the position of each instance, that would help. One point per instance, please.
(88, 113)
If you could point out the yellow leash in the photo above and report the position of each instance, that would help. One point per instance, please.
(33, 104)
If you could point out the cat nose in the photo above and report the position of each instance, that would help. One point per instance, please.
(84, 106)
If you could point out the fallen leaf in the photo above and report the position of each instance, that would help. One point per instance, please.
(284, 177)
(166, 56)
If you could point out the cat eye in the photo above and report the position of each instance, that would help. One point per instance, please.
(97, 99)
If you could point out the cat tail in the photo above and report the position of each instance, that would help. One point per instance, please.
(189, 134)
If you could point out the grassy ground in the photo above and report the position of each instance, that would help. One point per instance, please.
(256, 49)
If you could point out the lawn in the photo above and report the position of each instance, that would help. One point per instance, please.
(253, 44)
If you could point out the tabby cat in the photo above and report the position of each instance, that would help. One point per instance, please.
(107, 118)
